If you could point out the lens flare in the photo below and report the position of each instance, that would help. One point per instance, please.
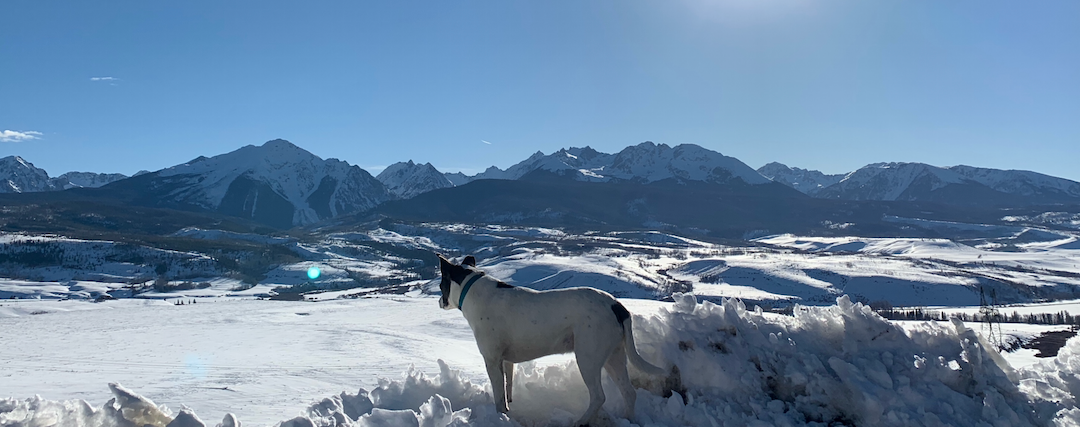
(313, 273)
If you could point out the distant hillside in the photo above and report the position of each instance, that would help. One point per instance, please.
(20, 176)
(642, 163)
(957, 185)
(810, 182)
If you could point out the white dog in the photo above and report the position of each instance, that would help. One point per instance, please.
(515, 324)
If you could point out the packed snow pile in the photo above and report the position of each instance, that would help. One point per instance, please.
(825, 366)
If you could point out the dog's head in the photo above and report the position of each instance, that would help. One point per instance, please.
(453, 276)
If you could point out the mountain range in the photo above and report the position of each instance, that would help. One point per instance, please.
(282, 185)
(277, 184)
(923, 182)
(21, 176)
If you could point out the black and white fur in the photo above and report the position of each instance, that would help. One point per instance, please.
(516, 324)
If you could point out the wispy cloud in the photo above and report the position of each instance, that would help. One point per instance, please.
(104, 79)
(16, 136)
(488, 143)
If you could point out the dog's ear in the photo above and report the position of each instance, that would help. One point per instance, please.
(443, 263)
(469, 261)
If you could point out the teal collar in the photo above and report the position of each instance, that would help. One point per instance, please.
(465, 289)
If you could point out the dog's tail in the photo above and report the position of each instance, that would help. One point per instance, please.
(624, 318)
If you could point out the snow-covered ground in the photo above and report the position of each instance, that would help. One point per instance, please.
(271, 361)
(261, 360)
(774, 270)
(268, 361)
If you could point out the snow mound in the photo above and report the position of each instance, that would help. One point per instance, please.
(542, 271)
(1071, 243)
(825, 366)
(887, 246)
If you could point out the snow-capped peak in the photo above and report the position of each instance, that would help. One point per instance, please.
(650, 162)
(86, 179)
(646, 162)
(1025, 183)
(316, 188)
(293, 171)
(408, 179)
(893, 181)
(21, 176)
(807, 181)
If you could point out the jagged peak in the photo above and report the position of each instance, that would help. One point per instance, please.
(17, 159)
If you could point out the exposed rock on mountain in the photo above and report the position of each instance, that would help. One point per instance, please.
(912, 182)
(643, 163)
(278, 184)
(408, 179)
(1024, 183)
(21, 176)
(85, 180)
(807, 181)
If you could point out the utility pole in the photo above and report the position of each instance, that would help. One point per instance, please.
(990, 315)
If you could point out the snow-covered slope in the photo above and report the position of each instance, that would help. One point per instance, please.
(894, 181)
(408, 179)
(20, 176)
(646, 162)
(277, 183)
(584, 164)
(85, 180)
(919, 181)
(808, 182)
(1025, 183)
(840, 365)
(458, 178)
(650, 162)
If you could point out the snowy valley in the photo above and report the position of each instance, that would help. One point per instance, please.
(191, 288)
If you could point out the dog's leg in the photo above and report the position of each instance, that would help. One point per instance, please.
(590, 364)
(508, 370)
(616, 369)
(498, 383)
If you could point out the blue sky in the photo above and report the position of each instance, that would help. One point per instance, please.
(121, 86)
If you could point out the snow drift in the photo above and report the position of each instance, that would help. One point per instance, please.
(825, 366)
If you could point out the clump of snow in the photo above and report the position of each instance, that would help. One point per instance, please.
(126, 408)
(1055, 383)
(825, 366)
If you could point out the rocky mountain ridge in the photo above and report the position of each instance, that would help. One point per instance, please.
(282, 185)
(919, 181)
(20, 176)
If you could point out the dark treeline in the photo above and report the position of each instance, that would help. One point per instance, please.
(1059, 318)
